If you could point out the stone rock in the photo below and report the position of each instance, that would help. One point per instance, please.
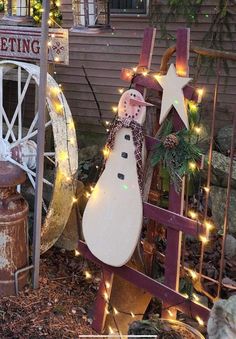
(90, 161)
(230, 246)
(223, 139)
(88, 153)
(222, 321)
(218, 198)
(220, 169)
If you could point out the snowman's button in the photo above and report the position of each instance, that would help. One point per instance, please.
(124, 155)
(120, 176)
(127, 137)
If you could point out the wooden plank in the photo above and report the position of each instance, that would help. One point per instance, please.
(104, 40)
(150, 142)
(160, 291)
(151, 83)
(147, 47)
(100, 49)
(145, 58)
(172, 220)
(173, 249)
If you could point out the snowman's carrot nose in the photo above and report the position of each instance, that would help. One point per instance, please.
(136, 102)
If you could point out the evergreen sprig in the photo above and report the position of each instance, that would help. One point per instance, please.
(1, 5)
(222, 25)
(181, 159)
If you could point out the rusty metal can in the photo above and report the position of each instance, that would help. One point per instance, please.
(14, 251)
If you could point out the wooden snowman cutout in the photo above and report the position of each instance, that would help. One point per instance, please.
(112, 220)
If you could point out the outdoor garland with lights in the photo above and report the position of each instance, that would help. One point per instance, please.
(1, 5)
(178, 151)
(55, 15)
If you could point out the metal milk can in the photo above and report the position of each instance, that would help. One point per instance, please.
(14, 250)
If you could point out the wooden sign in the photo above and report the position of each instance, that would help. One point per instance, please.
(23, 43)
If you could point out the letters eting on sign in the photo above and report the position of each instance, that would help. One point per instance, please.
(23, 43)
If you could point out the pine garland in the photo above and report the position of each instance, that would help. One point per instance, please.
(55, 15)
(178, 152)
(1, 5)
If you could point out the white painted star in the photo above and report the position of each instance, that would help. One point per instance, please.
(173, 95)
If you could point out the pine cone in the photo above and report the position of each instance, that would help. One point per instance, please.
(171, 141)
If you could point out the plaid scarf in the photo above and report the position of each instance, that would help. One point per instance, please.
(138, 138)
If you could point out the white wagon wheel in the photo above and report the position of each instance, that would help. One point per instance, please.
(20, 147)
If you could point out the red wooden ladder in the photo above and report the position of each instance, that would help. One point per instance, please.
(172, 218)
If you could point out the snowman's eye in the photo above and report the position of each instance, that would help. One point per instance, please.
(134, 95)
(120, 176)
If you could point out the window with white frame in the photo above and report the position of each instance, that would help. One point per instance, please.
(91, 14)
(20, 8)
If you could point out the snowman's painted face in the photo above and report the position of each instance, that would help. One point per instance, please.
(128, 109)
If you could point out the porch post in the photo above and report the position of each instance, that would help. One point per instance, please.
(40, 142)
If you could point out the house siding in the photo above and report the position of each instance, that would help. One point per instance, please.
(105, 54)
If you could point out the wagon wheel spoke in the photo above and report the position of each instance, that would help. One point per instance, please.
(29, 136)
(33, 184)
(34, 122)
(49, 155)
(3, 115)
(18, 107)
(5, 118)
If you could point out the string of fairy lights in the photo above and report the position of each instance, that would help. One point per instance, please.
(114, 312)
(55, 15)
(193, 214)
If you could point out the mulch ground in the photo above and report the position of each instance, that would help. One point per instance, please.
(60, 308)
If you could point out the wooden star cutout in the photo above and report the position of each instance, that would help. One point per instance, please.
(173, 95)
